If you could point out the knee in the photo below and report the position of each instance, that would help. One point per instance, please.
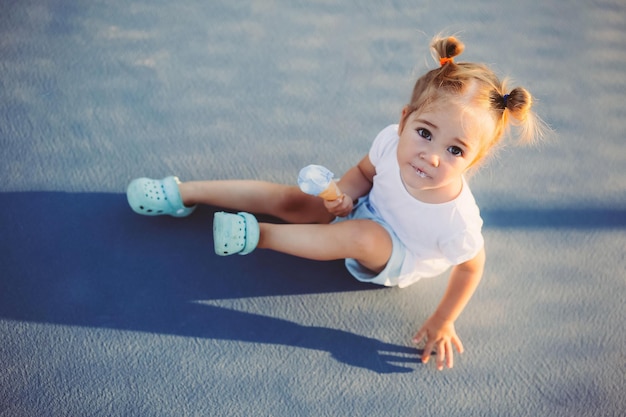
(372, 240)
(298, 207)
(289, 200)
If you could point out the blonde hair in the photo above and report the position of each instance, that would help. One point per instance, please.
(477, 86)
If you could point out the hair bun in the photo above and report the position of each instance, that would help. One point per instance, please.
(447, 47)
(518, 102)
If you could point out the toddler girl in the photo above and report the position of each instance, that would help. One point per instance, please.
(406, 211)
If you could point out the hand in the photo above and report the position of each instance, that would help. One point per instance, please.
(340, 207)
(440, 335)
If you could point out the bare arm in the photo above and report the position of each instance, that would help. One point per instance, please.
(438, 330)
(355, 183)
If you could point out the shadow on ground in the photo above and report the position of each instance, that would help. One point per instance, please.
(87, 260)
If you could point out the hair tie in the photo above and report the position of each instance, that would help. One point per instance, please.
(445, 60)
(505, 98)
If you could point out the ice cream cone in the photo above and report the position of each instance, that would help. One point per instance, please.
(332, 192)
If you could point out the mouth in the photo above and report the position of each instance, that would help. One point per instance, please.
(420, 173)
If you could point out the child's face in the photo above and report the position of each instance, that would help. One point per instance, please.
(437, 146)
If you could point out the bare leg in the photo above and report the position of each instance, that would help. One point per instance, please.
(364, 240)
(282, 201)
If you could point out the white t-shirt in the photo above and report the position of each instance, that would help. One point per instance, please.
(437, 236)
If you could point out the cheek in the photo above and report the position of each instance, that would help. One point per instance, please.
(460, 165)
(406, 147)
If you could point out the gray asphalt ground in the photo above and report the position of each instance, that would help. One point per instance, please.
(106, 313)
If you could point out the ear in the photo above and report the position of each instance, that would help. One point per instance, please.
(403, 117)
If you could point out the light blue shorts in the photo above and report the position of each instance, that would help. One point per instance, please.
(388, 276)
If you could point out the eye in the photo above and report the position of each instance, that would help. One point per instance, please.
(425, 133)
(455, 150)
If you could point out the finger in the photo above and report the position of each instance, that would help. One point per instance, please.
(337, 201)
(339, 206)
(343, 213)
(449, 355)
(346, 205)
(458, 345)
(441, 355)
(427, 350)
(419, 336)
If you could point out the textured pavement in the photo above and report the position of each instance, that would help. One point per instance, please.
(106, 313)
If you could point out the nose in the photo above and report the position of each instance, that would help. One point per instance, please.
(431, 158)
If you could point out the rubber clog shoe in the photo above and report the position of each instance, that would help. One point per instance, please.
(235, 233)
(157, 197)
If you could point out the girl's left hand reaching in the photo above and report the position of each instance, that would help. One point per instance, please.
(440, 336)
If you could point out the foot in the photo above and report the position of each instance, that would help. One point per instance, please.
(157, 197)
(235, 233)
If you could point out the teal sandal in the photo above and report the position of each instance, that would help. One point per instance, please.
(235, 233)
(156, 197)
